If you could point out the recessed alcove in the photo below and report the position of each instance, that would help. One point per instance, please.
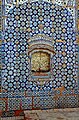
(40, 63)
(40, 60)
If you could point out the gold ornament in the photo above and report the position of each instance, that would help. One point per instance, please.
(53, 6)
(40, 18)
(17, 17)
(77, 40)
(29, 29)
(63, 53)
(41, 26)
(64, 30)
(52, 29)
(64, 65)
(60, 41)
(52, 18)
(0, 42)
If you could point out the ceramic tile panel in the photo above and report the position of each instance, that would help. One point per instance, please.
(39, 54)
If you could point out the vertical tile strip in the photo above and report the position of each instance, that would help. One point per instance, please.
(78, 41)
(0, 38)
(78, 36)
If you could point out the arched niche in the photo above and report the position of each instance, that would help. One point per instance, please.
(40, 55)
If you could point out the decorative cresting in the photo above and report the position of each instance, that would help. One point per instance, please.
(41, 47)
(41, 43)
(40, 37)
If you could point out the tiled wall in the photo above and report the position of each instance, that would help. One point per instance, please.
(28, 22)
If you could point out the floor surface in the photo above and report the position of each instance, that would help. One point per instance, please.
(56, 114)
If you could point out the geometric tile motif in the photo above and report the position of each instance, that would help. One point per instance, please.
(43, 102)
(60, 102)
(23, 23)
(71, 101)
(8, 114)
(26, 103)
(67, 101)
(17, 94)
(2, 105)
(14, 104)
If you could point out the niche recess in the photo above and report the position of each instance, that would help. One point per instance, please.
(40, 60)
